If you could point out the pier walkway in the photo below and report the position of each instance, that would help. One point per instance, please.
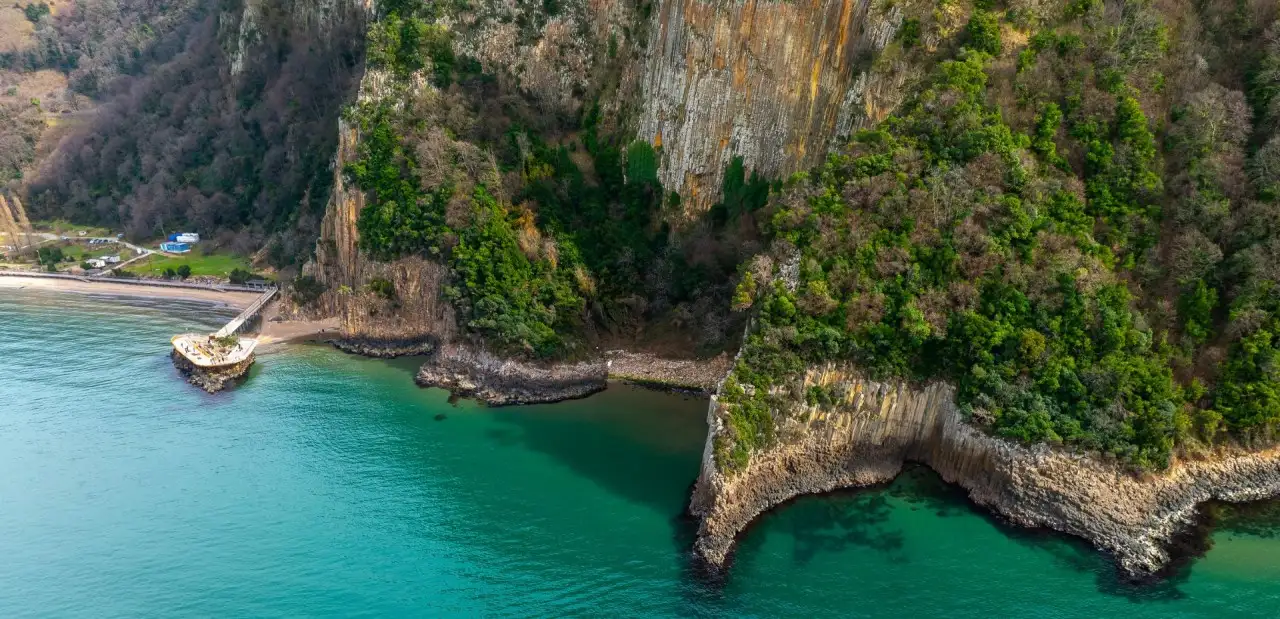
(221, 350)
(248, 314)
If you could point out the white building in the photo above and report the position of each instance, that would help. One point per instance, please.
(97, 263)
(188, 237)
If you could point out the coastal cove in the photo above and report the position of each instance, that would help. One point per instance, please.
(331, 485)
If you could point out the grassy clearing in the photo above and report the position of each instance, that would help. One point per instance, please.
(212, 265)
(65, 228)
(84, 251)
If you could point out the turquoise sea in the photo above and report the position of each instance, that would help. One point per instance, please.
(330, 486)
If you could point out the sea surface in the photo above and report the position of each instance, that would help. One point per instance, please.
(330, 486)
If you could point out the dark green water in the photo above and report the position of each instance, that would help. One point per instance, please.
(326, 486)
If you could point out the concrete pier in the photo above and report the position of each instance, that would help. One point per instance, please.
(212, 362)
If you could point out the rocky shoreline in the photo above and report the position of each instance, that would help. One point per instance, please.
(384, 349)
(211, 380)
(686, 375)
(467, 372)
(876, 428)
(494, 381)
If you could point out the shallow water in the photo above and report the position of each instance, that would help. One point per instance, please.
(329, 485)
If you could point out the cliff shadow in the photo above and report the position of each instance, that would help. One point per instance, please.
(641, 445)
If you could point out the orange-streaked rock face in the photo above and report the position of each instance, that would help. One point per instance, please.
(773, 82)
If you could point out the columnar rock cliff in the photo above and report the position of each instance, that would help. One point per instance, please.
(371, 324)
(874, 428)
(772, 82)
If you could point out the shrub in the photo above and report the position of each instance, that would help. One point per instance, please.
(240, 276)
(983, 32)
(383, 288)
(306, 289)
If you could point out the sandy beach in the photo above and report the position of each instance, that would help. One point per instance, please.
(279, 331)
(273, 331)
(237, 300)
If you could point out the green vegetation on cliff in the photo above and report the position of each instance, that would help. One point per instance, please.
(1072, 230)
(555, 227)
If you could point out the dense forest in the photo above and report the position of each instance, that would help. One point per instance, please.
(177, 140)
(1074, 221)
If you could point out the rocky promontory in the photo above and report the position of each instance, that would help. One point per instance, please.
(874, 428)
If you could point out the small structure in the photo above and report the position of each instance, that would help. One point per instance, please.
(188, 237)
(97, 263)
(175, 247)
(111, 259)
(213, 362)
(216, 361)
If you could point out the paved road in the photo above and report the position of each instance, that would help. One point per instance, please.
(49, 237)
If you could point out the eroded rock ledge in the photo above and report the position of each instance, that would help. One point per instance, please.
(384, 348)
(469, 373)
(876, 427)
(494, 381)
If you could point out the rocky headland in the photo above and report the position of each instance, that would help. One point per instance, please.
(875, 428)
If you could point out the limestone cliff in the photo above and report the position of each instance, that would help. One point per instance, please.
(776, 83)
(874, 428)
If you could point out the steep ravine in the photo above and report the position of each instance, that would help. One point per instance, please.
(877, 427)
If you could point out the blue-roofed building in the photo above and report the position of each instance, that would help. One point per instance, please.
(175, 247)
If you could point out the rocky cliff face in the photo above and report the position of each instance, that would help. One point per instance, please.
(240, 25)
(372, 324)
(772, 82)
(552, 59)
(874, 428)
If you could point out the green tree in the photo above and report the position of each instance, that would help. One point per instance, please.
(49, 257)
(983, 32)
